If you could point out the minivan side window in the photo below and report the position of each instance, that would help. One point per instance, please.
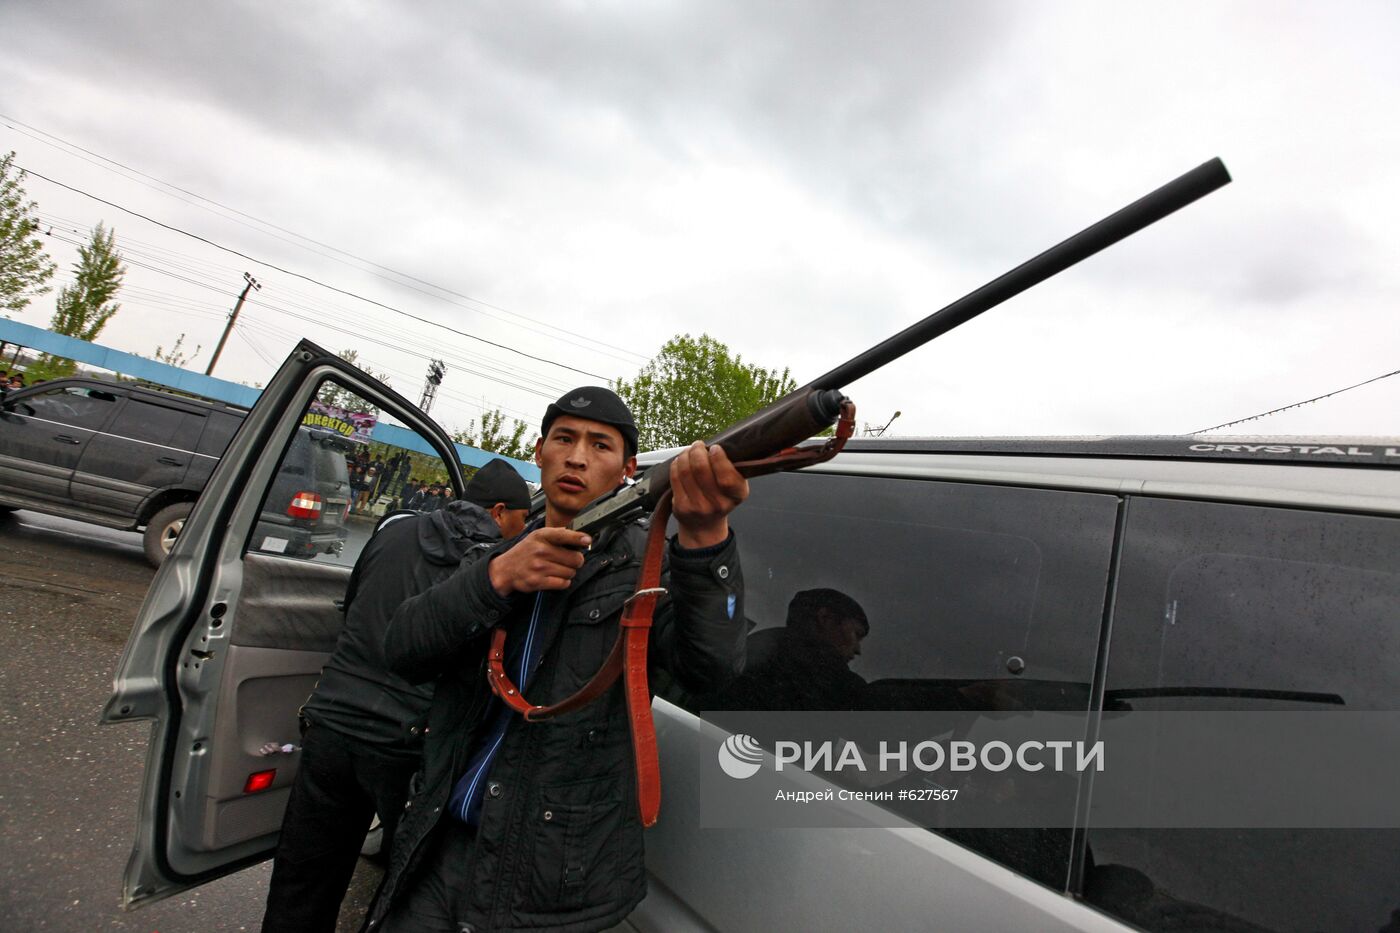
(1277, 609)
(900, 594)
(80, 406)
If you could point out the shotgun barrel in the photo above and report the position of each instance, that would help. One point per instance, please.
(813, 407)
(1147, 210)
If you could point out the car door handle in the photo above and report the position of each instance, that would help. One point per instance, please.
(170, 461)
(66, 438)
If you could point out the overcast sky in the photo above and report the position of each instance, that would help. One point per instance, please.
(582, 181)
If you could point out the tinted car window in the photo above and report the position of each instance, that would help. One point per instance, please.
(80, 406)
(142, 420)
(1274, 606)
(328, 459)
(960, 585)
(218, 431)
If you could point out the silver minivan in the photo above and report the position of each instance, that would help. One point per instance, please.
(1069, 575)
(1108, 577)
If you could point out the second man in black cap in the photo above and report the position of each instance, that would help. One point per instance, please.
(500, 491)
(364, 725)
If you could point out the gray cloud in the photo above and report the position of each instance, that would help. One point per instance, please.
(841, 93)
(541, 156)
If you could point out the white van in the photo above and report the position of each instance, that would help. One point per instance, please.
(1131, 575)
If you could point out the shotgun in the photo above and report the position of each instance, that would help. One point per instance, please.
(764, 441)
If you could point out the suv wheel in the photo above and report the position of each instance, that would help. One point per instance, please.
(163, 529)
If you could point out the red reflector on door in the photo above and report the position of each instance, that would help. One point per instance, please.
(305, 505)
(259, 780)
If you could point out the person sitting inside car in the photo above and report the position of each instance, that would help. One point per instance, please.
(804, 664)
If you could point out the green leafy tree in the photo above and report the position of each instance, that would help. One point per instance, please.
(340, 397)
(85, 307)
(693, 388)
(24, 266)
(494, 434)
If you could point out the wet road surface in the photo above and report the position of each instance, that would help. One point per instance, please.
(68, 790)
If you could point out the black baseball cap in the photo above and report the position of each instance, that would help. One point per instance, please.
(498, 482)
(596, 404)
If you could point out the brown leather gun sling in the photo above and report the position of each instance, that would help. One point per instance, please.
(629, 652)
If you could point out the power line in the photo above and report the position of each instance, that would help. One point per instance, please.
(367, 335)
(80, 228)
(465, 364)
(307, 239)
(1296, 404)
(248, 339)
(407, 343)
(552, 388)
(247, 323)
(417, 347)
(314, 281)
(469, 363)
(132, 255)
(360, 334)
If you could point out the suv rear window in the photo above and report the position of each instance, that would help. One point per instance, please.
(328, 457)
(218, 432)
(143, 420)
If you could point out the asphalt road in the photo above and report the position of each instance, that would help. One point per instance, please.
(68, 791)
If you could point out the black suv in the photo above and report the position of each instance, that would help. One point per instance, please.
(305, 510)
(133, 457)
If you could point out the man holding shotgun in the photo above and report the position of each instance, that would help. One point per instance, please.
(534, 824)
(525, 817)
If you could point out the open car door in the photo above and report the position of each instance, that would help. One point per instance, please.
(245, 610)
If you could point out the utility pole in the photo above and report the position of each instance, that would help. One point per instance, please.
(232, 319)
(436, 370)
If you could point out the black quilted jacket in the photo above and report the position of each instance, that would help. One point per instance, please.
(581, 867)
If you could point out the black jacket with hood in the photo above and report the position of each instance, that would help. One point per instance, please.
(559, 844)
(357, 695)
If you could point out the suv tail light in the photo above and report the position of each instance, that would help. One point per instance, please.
(305, 505)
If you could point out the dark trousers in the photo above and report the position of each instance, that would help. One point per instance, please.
(431, 902)
(341, 784)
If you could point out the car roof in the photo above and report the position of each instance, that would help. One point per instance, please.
(163, 393)
(1349, 474)
(1333, 451)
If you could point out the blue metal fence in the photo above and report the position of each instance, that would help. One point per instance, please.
(138, 367)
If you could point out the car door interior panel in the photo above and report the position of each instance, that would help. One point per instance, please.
(289, 604)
